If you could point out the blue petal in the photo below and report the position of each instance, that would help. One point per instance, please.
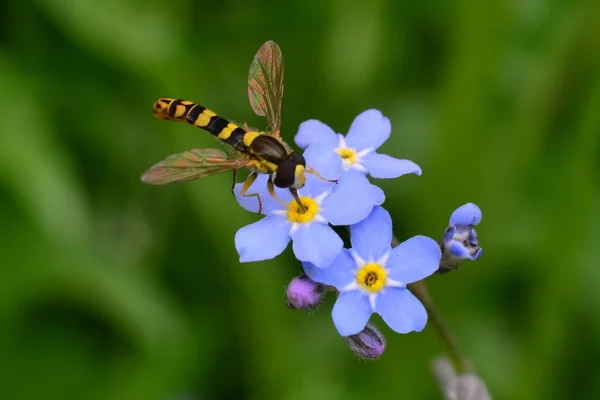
(449, 233)
(340, 273)
(369, 129)
(459, 250)
(316, 243)
(311, 132)
(323, 159)
(351, 312)
(315, 186)
(378, 195)
(473, 239)
(264, 239)
(260, 186)
(383, 166)
(414, 259)
(402, 311)
(371, 238)
(465, 215)
(351, 200)
(478, 254)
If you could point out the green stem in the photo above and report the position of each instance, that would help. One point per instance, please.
(419, 289)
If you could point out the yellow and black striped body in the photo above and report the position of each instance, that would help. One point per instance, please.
(201, 117)
(267, 152)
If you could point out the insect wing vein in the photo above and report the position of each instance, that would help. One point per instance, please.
(265, 84)
(192, 164)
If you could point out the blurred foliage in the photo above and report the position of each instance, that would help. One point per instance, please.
(111, 289)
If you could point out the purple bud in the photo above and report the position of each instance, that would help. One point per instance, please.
(303, 293)
(369, 344)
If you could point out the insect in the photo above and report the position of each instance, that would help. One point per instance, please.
(261, 152)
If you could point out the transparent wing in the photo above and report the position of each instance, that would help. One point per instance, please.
(191, 164)
(265, 84)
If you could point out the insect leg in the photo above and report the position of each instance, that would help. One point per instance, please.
(247, 185)
(234, 181)
(271, 188)
(315, 173)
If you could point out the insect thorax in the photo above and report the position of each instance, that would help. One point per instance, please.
(269, 151)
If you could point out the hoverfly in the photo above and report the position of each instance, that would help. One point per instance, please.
(261, 152)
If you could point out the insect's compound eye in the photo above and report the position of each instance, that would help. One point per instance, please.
(286, 173)
(298, 159)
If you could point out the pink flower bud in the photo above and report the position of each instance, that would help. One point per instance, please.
(303, 293)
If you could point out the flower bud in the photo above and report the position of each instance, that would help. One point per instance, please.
(369, 344)
(460, 240)
(303, 293)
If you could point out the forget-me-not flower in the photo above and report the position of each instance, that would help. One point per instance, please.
(460, 240)
(338, 155)
(313, 239)
(372, 277)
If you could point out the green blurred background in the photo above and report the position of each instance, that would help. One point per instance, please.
(111, 289)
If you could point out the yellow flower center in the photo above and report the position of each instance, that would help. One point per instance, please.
(371, 277)
(348, 155)
(295, 214)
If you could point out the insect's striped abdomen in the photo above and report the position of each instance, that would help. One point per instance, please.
(201, 117)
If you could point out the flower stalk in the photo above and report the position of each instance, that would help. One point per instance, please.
(419, 289)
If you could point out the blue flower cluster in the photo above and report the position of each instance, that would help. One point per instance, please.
(371, 276)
